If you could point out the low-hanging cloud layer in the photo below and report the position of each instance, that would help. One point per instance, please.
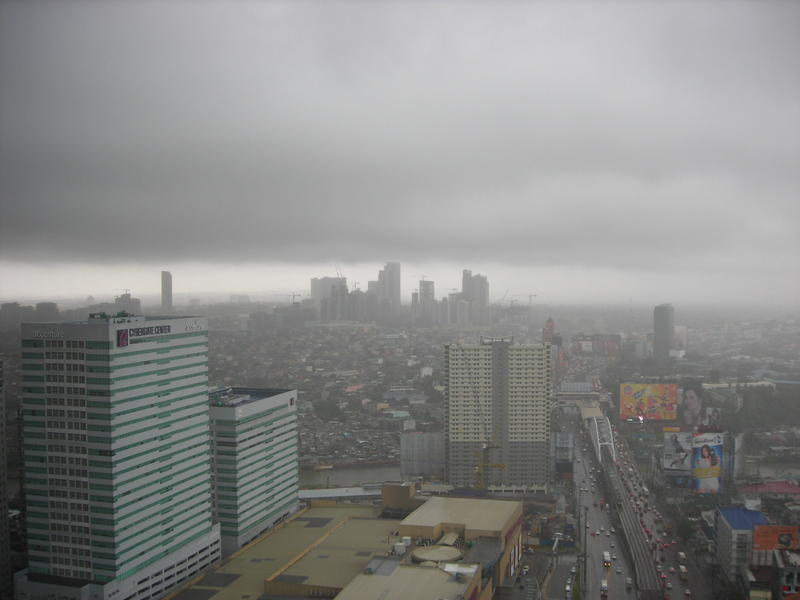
(637, 137)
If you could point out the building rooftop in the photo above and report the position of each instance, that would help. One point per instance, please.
(392, 580)
(243, 573)
(237, 396)
(473, 513)
(116, 317)
(743, 518)
(342, 554)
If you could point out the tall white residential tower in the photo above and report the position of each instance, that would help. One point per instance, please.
(117, 457)
(497, 414)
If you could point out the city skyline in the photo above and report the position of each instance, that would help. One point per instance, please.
(71, 286)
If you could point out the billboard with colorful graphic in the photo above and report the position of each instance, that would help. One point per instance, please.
(677, 451)
(707, 462)
(772, 537)
(649, 401)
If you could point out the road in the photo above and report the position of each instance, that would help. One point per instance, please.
(647, 581)
(600, 522)
(698, 582)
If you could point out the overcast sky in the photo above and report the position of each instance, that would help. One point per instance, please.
(610, 151)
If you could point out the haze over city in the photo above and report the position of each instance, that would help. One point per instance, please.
(637, 152)
(399, 300)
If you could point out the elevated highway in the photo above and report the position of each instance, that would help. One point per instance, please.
(648, 582)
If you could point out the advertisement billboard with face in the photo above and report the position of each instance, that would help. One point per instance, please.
(707, 462)
(648, 401)
(772, 537)
(677, 451)
(712, 417)
(693, 412)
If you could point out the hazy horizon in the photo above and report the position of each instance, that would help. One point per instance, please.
(618, 152)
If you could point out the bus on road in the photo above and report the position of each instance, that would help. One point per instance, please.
(683, 573)
(604, 588)
(607, 560)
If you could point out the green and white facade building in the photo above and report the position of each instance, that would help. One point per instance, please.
(255, 464)
(117, 449)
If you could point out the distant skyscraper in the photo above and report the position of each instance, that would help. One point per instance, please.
(321, 288)
(126, 302)
(427, 304)
(166, 291)
(335, 306)
(663, 333)
(117, 457)
(47, 312)
(475, 290)
(549, 330)
(254, 435)
(498, 397)
(389, 293)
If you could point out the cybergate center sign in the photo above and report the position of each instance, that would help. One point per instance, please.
(124, 335)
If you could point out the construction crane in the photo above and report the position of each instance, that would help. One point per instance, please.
(529, 296)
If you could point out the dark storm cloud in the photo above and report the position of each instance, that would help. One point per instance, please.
(624, 135)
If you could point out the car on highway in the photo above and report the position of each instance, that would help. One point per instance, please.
(612, 544)
(619, 571)
(669, 585)
(613, 530)
(687, 592)
(613, 556)
(573, 569)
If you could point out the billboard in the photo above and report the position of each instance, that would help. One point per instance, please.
(693, 412)
(677, 451)
(712, 417)
(776, 537)
(650, 401)
(706, 462)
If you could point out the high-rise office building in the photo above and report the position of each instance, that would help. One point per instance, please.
(46, 312)
(392, 281)
(321, 289)
(389, 293)
(166, 291)
(475, 290)
(663, 333)
(255, 461)
(498, 408)
(549, 330)
(428, 308)
(117, 457)
(5, 541)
